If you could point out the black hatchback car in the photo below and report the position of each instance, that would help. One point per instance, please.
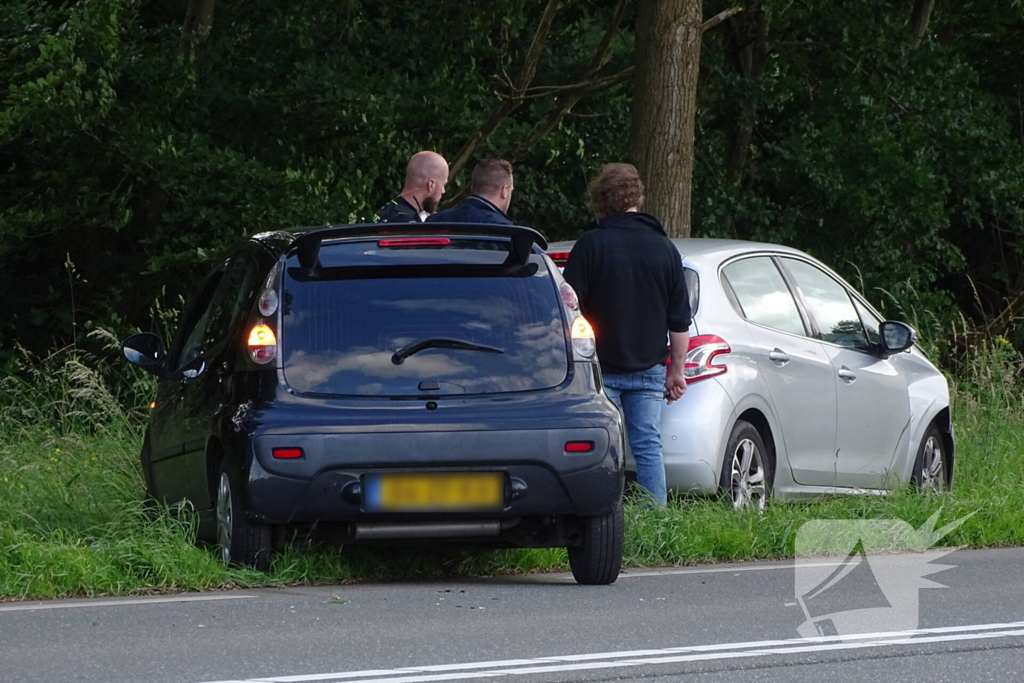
(422, 383)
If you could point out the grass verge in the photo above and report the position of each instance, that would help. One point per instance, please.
(72, 522)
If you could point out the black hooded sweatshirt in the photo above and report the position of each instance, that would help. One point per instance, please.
(629, 279)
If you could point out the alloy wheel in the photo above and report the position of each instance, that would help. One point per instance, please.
(748, 477)
(932, 466)
(225, 518)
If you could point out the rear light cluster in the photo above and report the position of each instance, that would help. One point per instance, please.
(703, 349)
(262, 339)
(559, 257)
(582, 334)
(287, 453)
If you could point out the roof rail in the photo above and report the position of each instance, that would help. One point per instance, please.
(308, 244)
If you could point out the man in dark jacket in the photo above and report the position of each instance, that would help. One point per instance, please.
(491, 195)
(426, 175)
(628, 277)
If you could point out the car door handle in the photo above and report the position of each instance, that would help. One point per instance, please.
(778, 356)
(847, 375)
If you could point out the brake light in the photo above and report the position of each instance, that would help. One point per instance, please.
(415, 242)
(262, 343)
(287, 453)
(583, 341)
(703, 349)
(579, 446)
(559, 257)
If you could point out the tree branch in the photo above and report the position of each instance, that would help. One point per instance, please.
(505, 106)
(196, 29)
(563, 105)
(919, 21)
(719, 18)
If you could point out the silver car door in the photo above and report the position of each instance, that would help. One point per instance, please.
(873, 402)
(795, 368)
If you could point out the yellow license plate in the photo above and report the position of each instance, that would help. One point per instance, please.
(426, 492)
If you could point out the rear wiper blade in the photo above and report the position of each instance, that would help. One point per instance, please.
(440, 343)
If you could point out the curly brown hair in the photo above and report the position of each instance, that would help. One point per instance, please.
(615, 188)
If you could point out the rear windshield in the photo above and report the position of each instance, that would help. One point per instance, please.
(343, 328)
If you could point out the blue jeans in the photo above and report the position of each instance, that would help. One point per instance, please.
(640, 396)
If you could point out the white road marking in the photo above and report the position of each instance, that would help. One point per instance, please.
(31, 607)
(724, 570)
(632, 658)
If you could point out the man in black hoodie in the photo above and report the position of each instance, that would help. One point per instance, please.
(629, 279)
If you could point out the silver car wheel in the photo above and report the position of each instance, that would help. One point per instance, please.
(225, 518)
(748, 477)
(933, 467)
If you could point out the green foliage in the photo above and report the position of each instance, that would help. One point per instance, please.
(903, 168)
(73, 522)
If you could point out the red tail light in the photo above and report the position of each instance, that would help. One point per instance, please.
(579, 446)
(700, 355)
(559, 257)
(415, 242)
(287, 453)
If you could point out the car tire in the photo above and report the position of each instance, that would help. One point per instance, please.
(597, 558)
(747, 471)
(239, 541)
(930, 466)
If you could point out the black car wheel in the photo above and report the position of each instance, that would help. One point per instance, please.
(746, 471)
(239, 541)
(597, 557)
(930, 466)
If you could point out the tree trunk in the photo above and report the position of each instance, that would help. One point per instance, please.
(668, 39)
(196, 30)
(919, 21)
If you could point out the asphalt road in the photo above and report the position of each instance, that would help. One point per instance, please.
(715, 623)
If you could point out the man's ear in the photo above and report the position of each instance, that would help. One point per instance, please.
(430, 186)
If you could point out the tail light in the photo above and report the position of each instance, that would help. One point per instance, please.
(583, 341)
(702, 351)
(287, 453)
(262, 343)
(559, 257)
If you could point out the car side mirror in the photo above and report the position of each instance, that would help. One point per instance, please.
(145, 350)
(897, 337)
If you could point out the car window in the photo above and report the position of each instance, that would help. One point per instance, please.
(226, 297)
(870, 321)
(763, 295)
(231, 301)
(829, 304)
(196, 326)
(343, 326)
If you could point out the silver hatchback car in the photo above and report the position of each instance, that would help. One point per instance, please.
(797, 386)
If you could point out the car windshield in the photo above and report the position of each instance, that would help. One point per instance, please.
(343, 326)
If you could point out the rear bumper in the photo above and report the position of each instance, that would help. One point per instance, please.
(542, 480)
(693, 433)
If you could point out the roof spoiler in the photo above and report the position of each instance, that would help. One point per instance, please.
(308, 244)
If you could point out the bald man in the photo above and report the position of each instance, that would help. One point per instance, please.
(426, 175)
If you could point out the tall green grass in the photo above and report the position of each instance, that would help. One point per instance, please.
(72, 520)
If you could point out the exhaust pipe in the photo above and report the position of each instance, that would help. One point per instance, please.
(395, 531)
